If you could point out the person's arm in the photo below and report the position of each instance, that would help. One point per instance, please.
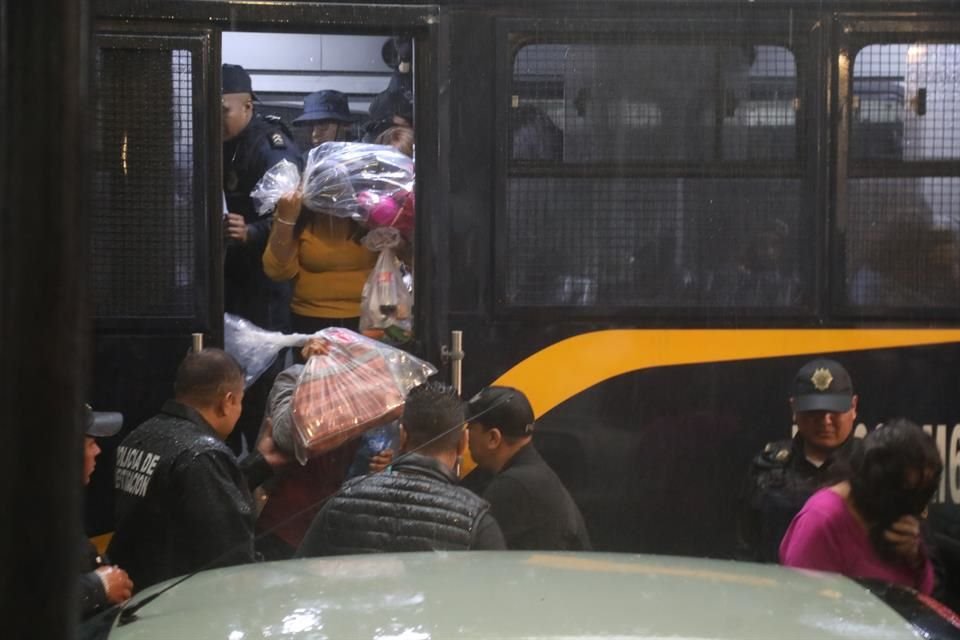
(218, 508)
(280, 407)
(93, 595)
(281, 260)
(489, 536)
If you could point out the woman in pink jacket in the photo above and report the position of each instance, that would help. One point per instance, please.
(868, 526)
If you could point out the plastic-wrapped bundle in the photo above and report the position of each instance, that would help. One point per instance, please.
(341, 177)
(357, 385)
(281, 179)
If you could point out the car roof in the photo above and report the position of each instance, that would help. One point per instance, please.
(420, 596)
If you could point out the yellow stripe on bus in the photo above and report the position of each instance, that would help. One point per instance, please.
(564, 369)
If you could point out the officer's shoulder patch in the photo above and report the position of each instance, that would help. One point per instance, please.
(277, 141)
(777, 453)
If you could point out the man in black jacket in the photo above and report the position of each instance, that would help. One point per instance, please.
(526, 497)
(183, 501)
(101, 583)
(415, 504)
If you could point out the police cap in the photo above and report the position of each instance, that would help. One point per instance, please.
(822, 385)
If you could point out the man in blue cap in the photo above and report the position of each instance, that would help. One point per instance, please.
(327, 113)
(251, 145)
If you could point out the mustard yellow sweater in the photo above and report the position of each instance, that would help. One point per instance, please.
(328, 270)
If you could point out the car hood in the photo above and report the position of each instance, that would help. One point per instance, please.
(421, 596)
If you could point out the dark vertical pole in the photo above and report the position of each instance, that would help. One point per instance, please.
(43, 77)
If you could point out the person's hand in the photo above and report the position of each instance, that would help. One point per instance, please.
(904, 536)
(235, 227)
(380, 461)
(288, 207)
(116, 583)
(315, 347)
(268, 448)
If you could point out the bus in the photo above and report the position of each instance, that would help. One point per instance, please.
(645, 215)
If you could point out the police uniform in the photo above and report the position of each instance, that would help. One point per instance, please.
(781, 478)
(182, 499)
(248, 292)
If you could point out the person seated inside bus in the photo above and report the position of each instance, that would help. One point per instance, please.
(764, 276)
(327, 113)
(533, 135)
(868, 525)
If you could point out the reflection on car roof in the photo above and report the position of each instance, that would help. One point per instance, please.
(420, 596)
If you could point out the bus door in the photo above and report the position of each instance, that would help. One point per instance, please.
(157, 247)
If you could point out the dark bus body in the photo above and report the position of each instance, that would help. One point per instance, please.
(647, 215)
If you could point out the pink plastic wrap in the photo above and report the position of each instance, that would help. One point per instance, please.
(357, 385)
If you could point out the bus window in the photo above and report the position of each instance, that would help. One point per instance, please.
(590, 236)
(902, 241)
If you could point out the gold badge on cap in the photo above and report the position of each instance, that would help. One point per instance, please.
(821, 379)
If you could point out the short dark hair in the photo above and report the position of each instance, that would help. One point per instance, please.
(431, 409)
(204, 376)
(880, 483)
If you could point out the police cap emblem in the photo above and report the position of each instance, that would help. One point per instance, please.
(821, 379)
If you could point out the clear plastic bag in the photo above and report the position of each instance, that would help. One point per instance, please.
(386, 303)
(357, 385)
(279, 180)
(346, 178)
(254, 348)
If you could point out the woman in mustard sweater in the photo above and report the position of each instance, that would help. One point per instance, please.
(321, 253)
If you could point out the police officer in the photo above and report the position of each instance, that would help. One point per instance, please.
(252, 144)
(786, 473)
(183, 501)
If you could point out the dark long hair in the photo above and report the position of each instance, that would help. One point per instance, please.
(895, 473)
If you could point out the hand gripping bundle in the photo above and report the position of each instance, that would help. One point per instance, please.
(357, 385)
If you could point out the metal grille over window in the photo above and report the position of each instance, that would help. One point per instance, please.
(591, 237)
(902, 235)
(607, 102)
(143, 260)
(655, 242)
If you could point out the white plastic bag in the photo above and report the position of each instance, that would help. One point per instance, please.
(386, 303)
(254, 348)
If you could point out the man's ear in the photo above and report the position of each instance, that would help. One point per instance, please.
(223, 402)
(494, 437)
